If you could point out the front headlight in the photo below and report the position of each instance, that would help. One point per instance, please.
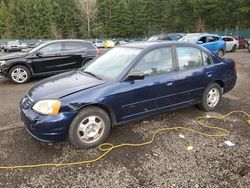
(48, 107)
(3, 63)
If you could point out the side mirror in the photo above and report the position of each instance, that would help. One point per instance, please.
(199, 42)
(135, 75)
(39, 53)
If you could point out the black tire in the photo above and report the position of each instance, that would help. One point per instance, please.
(234, 48)
(246, 45)
(26, 74)
(83, 116)
(221, 53)
(204, 105)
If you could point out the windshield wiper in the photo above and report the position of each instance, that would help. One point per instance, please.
(90, 73)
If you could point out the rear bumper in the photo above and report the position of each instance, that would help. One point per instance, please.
(13, 49)
(229, 84)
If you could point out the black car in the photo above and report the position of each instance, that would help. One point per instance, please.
(49, 58)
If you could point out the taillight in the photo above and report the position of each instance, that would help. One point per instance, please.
(234, 64)
(98, 52)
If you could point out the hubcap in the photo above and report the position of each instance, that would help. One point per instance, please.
(91, 129)
(213, 97)
(19, 75)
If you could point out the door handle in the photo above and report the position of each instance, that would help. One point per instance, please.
(170, 83)
(209, 74)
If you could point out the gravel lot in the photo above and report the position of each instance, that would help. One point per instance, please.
(165, 163)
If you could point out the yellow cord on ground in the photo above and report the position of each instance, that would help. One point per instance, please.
(108, 147)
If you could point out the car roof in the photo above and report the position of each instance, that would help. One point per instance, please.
(67, 40)
(149, 44)
(228, 37)
(200, 34)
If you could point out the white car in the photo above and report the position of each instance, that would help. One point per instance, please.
(231, 43)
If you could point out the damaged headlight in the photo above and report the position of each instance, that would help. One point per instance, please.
(48, 107)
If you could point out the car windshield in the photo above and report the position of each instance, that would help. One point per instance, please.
(13, 43)
(112, 63)
(154, 38)
(175, 36)
(189, 39)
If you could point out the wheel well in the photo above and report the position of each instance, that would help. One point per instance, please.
(86, 61)
(220, 83)
(106, 109)
(22, 64)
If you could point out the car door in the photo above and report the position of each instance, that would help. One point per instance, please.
(156, 91)
(74, 53)
(229, 43)
(49, 58)
(195, 72)
(210, 43)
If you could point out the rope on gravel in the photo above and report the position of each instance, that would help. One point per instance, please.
(106, 148)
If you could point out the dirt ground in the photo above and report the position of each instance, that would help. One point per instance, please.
(165, 163)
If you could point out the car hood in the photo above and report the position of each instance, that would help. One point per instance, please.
(59, 86)
(13, 56)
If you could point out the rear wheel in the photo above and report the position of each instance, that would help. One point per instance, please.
(89, 128)
(19, 74)
(234, 48)
(211, 97)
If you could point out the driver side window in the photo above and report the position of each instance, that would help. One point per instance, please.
(156, 62)
(52, 48)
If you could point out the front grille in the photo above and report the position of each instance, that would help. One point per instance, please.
(27, 103)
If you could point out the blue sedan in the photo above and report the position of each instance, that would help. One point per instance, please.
(129, 82)
(212, 42)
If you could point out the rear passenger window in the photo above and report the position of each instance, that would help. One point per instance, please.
(206, 59)
(190, 57)
(73, 46)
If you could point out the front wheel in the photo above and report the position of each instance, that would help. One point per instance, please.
(19, 74)
(89, 128)
(211, 97)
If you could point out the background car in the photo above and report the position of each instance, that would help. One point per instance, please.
(24, 45)
(108, 44)
(129, 82)
(212, 42)
(166, 37)
(99, 43)
(49, 58)
(231, 43)
(243, 43)
(13, 46)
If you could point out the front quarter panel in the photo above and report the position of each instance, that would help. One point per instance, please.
(106, 95)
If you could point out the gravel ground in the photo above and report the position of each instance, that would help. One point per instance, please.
(165, 163)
